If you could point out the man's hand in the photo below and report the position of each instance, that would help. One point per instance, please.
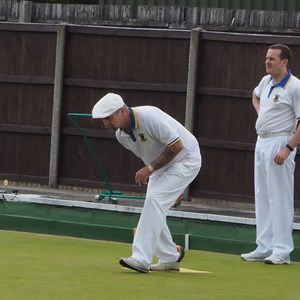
(142, 175)
(281, 156)
(168, 154)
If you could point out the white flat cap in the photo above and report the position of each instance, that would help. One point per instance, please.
(107, 105)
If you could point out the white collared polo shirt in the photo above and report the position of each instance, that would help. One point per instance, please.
(152, 130)
(279, 104)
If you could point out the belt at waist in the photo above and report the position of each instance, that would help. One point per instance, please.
(274, 134)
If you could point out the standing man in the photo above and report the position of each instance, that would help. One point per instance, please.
(277, 102)
(172, 160)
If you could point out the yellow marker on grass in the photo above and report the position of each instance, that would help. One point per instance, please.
(5, 182)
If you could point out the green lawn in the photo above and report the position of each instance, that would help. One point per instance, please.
(51, 267)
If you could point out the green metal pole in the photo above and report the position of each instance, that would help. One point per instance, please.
(90, 148)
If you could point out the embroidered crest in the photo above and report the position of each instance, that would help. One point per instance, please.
(142, 137)
(276, 98)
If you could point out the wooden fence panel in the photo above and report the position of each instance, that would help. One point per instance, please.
(26, 81)
(144, 67)
(229, 68)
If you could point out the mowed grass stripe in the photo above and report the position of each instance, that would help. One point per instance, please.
(53, 267)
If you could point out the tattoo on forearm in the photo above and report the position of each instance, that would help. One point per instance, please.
(166, 156)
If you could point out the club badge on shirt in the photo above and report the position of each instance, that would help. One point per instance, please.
(276, 98)
(142, 137)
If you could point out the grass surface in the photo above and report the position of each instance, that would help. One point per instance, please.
(50, 267)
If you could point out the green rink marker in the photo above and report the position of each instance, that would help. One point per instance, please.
(110, 194)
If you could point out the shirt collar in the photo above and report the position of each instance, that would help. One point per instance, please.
(133, 124)
(283, 83)
(134, 120)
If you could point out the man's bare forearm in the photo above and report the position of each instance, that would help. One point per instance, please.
(166, 156)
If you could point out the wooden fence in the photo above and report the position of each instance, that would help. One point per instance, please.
(229, 67)
(48, 71)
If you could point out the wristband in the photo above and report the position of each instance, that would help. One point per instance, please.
(289, 147)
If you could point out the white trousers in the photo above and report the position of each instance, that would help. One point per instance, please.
(274, 197)
(153, 236)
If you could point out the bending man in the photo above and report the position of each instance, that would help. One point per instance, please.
(172, 160)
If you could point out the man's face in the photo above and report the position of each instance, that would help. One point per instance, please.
(274, 65)
(114, 121)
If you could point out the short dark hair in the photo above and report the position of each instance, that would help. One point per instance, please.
(285, 51)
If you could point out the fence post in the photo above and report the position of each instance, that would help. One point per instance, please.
(191, 86)
(57, 103)
(25, 12)
(192, 79)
